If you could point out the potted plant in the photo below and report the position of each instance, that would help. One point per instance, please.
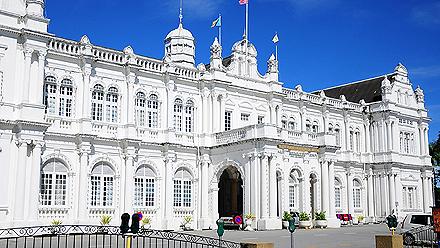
(249, 218)
(286, 217)
(320, 219)
(54, 226)
(361, 219)
(304, 220)
(104, 221)
(186, 223)
(146, 222)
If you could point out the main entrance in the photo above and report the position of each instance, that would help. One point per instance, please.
(230, 195)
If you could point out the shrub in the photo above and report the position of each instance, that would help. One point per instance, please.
(146, 221)
(360, 218)
(287, 216)
(56, 222)
(105, 220)
(320, 215)
(186, 220)
(303, 216)
(249, 216)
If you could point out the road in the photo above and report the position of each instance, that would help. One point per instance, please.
(353, 236)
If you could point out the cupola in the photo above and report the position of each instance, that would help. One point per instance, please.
(180, 47)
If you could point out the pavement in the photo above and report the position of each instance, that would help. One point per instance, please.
(362, 236)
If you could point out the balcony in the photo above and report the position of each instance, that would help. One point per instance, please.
(268, 131)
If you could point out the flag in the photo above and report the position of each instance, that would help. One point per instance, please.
(217, 22)
(275, 39)
(243, 2)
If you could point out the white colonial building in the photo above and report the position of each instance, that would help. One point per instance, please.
(87, 131)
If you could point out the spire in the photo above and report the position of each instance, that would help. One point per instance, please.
(181, 12)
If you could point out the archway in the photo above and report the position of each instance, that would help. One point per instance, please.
(230, 195)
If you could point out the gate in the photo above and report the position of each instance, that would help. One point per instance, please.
(73, 236)
(420, 237)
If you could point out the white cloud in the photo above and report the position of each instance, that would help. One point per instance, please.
(427, 14)
(426, 71)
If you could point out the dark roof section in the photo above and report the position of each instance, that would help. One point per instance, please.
(368, 89)
(226, 62)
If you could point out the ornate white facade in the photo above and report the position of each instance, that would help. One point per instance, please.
(87, 131)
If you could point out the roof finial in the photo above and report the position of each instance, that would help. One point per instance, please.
(180, 12)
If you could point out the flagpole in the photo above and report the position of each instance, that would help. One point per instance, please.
(276, 51)
(247, 36)
(220, 30)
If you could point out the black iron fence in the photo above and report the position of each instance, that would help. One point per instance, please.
(420, 237)
(66, 236)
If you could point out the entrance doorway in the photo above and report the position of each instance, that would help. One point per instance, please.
(230, 195)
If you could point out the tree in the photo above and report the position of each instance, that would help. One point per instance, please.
(434, 151)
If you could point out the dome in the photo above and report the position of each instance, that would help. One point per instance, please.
(180, 32)
(240, 47)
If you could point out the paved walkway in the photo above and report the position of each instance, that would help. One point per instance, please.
(351, 236)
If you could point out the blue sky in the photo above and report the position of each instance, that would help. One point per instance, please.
(322, 42)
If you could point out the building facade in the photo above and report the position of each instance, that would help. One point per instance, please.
(87, 131)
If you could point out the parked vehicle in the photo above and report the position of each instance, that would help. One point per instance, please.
(417, 228)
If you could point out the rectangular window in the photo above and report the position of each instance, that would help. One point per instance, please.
(187, 193)
(291, 197)
(357, 198)
(152, 119)
(107, 192)
(245, 117)
(260, 119)
(188, 124)
(177, 193)
(46, 189)
(351, 140)
(337, 197)
(149, 192)
(96, 187)
(140, 113)
(228, 120)
(138, 191)
(60, 190)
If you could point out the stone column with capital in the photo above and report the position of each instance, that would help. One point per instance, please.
(22, 158)
(247, 183)
(205, 94)
(37, 95)
(83, 156)
(168, 193)
(215, 113)
(332, 220)
(426, 194)
(27, 70)
(350, 192)
(128, 179)
(264, 186)
(222, 114)
(324, 187)
(34, 189)
(370, 198)
(389, 139)
(426, 146)
(273, 187)
(203, 221)
(392, 193)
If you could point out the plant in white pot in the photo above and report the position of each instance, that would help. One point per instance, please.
(304, 220)
(249, 219)
(286, 217)
(146, 223)
(361, 219)
(186, 223)
(321, 220)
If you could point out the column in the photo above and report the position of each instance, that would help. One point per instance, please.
(38, 95)
(205, 115)
(264, 186)
(130, 100)
(389, 142)
(347, 135)
(222, 114)
(350, 193)
(18, 208)
(383, 194)
(370, 194)
(303, 121)
(399, 196)
(27, 70)
(82, 187)
(247, 184)
(86, 92)
(331, 178)
(422, 141)
(425, 194)
(214, 192)
(215, 113)
(205, 186)
(377, 195)
(168, 193)
(395, 136)
(431, 203)
(273, 188)
(128, 184)
(426, 142)
(324, 187)
(35, 183)
(392, 187)
(254, 182)
(367, 138)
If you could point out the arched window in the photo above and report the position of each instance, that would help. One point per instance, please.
(338, 135)
(102, 183)
(111, 102)
(292, 124)
(308, 126)
(338, 185)
(284, 122)
(97, 102)
(358, 140)
(189, 116)
(66, 98)
(144, 187)
(315, 127)
(140, 109)
(50, 94)
(356, 193)
(330, 128)
(182, 188)
(53, 185)
(178, 107)
(293, 189)
(153, 111)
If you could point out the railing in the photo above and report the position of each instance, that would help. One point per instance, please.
(74, 236)
(420, 237)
